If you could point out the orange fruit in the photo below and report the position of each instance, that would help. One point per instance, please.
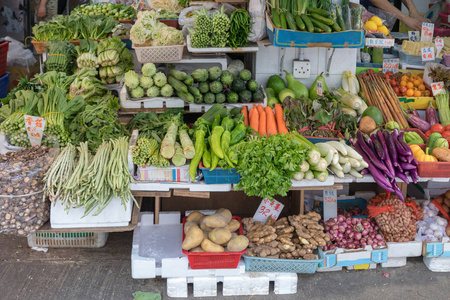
(416, 82)
(426, 93)
(410, 85)
(410, 93)
(417, 94)
(413, 77)
(405, 78)
(403, 82)
(421, 87)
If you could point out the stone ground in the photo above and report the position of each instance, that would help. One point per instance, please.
(105, 273)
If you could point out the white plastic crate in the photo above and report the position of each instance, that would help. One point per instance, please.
(159, 53)
(114, 215)
(252, 47)
(155, 102)
(68, 240)
(439, 264)
(399, 252)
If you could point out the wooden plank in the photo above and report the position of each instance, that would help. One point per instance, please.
(152, 194)
(337, 186)
(157, 209)
(265, 42)
(298, 202)
(188, 193)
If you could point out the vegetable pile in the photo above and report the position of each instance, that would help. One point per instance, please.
(118, 11)
(151, 83)
(212, 32)
(115, 60)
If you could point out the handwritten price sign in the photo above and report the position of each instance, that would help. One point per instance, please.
(319, 88)
(414, 36)
(438, 87)
(329, 204)
(439, 45)
(268, 209)
(427, 53)
(391, 65)
(427, 32)
(35, 129)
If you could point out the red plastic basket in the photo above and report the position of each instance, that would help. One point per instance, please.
(441, 32)
(207, 260)
(434, 169)
(3, 55)
(444, 18)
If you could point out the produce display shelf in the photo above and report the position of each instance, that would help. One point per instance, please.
(193, 187)
(155, 102)
(251, 48)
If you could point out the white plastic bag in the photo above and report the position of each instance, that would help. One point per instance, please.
(427, 80)
(257, 9)
(429, 209)
(18, 55)
(431, 229)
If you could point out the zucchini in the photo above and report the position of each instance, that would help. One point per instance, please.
(318, 30)
(185, 96)
(290, 21)
(189, 80)
(178, 74)
(299, 22)
(194, 91)
(216, 109)
(177, 85)
(308, 24)
(326, 21)
(283, 20)
(276, 18)
(318, 11)
(321, 25)
(198, 99)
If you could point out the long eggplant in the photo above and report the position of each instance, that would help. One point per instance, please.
(372, 157)
(414, 175)
(402, 143)
(407, 166)
(391, 148)
(402, 176)
(417, 122)
(378, 147)
(397, 191)
(413, 111)
(387, 159)
(431, 114)
(400, 148)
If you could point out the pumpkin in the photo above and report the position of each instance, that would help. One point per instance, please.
(425, 157)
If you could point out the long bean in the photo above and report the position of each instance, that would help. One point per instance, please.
(240, 26)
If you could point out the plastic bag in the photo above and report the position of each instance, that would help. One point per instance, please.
(183, 18)
(346, 14)
(23, 208)
(257, 10)
(356, 16)
(427, 80)
(18, 55)
(431, 229)
(429, 209)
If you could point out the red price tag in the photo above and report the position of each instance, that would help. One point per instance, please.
(391, 65)
(35, 129)
(427, 53)
(427, 32)
(268, 209)
(439, 45)
(438, 87)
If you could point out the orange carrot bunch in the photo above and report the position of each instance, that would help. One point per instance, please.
(264, 120)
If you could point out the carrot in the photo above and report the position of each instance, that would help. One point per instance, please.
(271, 123)
(262, 123)
(245, 113)
(254, 120)
(279, 117)
(260, 108)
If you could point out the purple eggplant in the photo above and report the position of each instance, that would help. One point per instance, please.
(402, 158)
(417, 122)
(402, 143)
(364, 172)
(372, 156)
(391, 147)
(397, 191)
(400, 149)
(414, 175)
(369, 143)
(407, 173)
(378, 147)
(412, 111)
(387, 159)
(431, 114)
(407, 166)
(402, 176)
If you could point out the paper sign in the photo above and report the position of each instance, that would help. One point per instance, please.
(391, 65)
(329, 204)
(268, 209)
(439, 42)
(35, 129)
(414, 36)
(438, 87)
(427, 32)
(319, 88)
(427, 53)
(379, 43)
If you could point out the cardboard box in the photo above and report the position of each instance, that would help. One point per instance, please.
(344, 257)
(171, 174)
(17, 72)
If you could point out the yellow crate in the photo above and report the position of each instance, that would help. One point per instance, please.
(416, 102)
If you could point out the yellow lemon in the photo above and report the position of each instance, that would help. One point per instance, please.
(370, 25)
(377, 21)
(383, 30)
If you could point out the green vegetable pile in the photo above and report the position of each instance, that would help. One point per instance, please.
(240, 26)
(117, 11)
(268, 164)
(215, 31)
(86, 84)
(60, 56)
(150, 83)
(115, 59)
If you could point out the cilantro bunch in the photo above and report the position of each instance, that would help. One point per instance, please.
(267, 165)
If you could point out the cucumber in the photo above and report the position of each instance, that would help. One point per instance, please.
(283, 21)
(321, 25)
(276, 18)
(300, 23)
(318, 30)
(308, 24)
(178, 74)
(185, 96)
(290, 21)
(318, 11)
(335, 27)
(340, 19)
(320, 18)
(177, 85)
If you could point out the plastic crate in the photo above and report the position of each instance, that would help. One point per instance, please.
(3, 56)
(302, 266)
(68, 240)
(347, 204)
(159, 53)
(220, 176)
(434, 169)
(4, 80)
(208, 260)
(414, 59)
(444, 18)
(441, 32)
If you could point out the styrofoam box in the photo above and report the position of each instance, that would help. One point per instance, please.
(398, 253)
(114, 215)
(156, 102)
(441, 264)
(344, 258)
(437, 249)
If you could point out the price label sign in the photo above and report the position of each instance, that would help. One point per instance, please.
(427, 53)
(268, 209)
(329, 204)
(414, 36)
(35, 129)
(439, 42)
(427, 32)
(391, 65)
(319, 88)
(437, 87)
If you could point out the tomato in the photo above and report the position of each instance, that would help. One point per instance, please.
(396, 90)
(447, 127)
(386, 76)
(428, 133)
(437, 128)
(393, 83)
(370, 71)
(403, 89)
(448, 140)
(389, 73)
(446, 134)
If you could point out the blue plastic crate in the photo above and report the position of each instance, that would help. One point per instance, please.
(301, 266)
(347, 204)
(4, 80)
(220, 176)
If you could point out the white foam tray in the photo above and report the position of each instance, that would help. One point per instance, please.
(252, 47)
(156, 102)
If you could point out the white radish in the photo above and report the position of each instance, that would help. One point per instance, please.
(337, 172)
(338, 146)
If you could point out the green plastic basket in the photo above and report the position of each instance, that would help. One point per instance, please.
(301, 266)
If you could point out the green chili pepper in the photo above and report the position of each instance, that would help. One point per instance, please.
(238, 133)
(199, 148)
(233, 157)
(222, 163)
(227, 123)
(215, 141)
(225, 141)
(200, 121)
(216, 121)
(206, 158)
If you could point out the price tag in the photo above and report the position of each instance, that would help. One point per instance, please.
(437, 87)
(319, 88)
(391, 64)
(329, 204)
(427, 53)
(268, 209)
(439, 42)
(35, 129)
(414, 36)
(379, 43)
(427, 32)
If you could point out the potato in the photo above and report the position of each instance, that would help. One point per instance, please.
(194, 237)
(447, 194)
(204, 227)
(233, 225)
(205, 234)
(215, 221)
(197, 249)
(442, 154)
(233, 235)
(224, 213)
(209, 246)
(195, 217)
(237, 244)
(219, 235)
(188, 225)
(440, 199)
(446, 208)
(447, 202)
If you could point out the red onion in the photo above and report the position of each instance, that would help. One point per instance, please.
(348, 231)
(381, 243)
(351, 246)
(349, 241)
(341, 229)
(327, 228)
(365, 232)
(365, 224)
(331, 247)
(335, 227)
(343, 224)
(351, 235)
(340, 235)
(363, 244)
(348, 221)
(372, 236)
(375, 244)
(354, 221)
(369, 242)
(357, 235)
(340, 219)
(379, 237)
